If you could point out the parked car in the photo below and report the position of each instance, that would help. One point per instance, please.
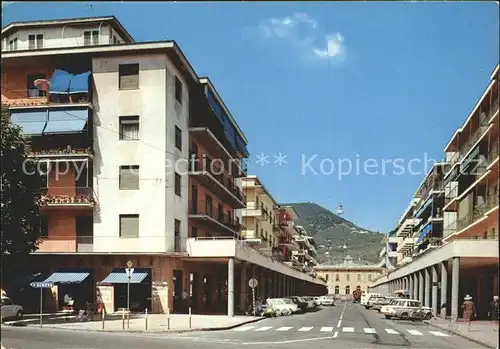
(366, 296)
(310, 302)
(10, 310)
(282, 306)
(380, 302)
(370, 302)
(327, 300)
(300, 302)
(408, 309)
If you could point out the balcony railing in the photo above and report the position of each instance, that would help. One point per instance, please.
(473, 138)
(207, 165)
(62, 152)
(478, 212)
(206, 208)
(36, 97)
(67, 196)
(66, 244)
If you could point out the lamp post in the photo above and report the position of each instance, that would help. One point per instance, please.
(129, 271)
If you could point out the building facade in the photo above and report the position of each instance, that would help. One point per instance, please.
(453, 249)
(344, 278)
(143, 163)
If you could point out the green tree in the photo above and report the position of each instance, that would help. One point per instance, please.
(20, 196)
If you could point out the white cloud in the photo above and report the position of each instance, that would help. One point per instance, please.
(302, 31)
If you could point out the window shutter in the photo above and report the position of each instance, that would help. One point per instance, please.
(129, 226)
(129, 177)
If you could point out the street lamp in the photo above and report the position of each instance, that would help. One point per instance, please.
(129, 271)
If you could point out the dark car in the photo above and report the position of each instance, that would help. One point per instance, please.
(300, 303)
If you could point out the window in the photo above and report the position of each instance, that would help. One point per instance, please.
(369, 277)
(359, 277)
(13, 44)
(128, 76)
(347, 277)
(129, 177)
(178, 138)
(33, 91)
(337, 289)
(347, 290)
(129, 225)
(194, 232)
(35, 41)
(6, 301)
(178, 90)
(177, 235)
(115, 40)
(337, 277)
(326, 277)
(177, 184)
(90, 37)
(129, 127)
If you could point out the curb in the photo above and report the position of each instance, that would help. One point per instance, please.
(484, 344)
(206, 329)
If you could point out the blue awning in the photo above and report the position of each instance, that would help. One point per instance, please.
(68, 277)
(32, 122)
(59, 82)
(119, 276)
(429, 201)
(79, 83)
(66, 121)
(424, 232)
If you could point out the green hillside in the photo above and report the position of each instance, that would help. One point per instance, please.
(330, 229)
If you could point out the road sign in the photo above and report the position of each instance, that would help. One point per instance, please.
(252, 283)
(129, 272)
(41, 284)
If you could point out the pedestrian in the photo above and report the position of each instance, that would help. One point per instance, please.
(469, 310)
(494, 312)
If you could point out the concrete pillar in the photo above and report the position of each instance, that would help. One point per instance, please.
(435, 305)
(410, 285)
(415, 285)
(421, 286)
(444, 289)
(455, 274)
(427, 290)
(230, 287)
(243, 287)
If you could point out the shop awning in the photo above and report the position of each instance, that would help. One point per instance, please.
(68, 277)
(66, 121)
(119, 276)
(32, 122)
(424, 232)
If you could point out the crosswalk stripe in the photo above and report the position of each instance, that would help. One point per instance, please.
(305, 329)
(391, 331)
(348, 329)
(284, 328)
(246, 328)
(326, 329)
(265, 328)
(415, 332)
(369, 330)
(438, 334)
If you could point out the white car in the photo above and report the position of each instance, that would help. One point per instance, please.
(10, 310)
(405, 309)
(283, 306)
(327, 300)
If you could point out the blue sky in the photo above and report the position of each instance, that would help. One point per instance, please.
(395, 81)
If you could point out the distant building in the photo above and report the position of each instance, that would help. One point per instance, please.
(343, 278)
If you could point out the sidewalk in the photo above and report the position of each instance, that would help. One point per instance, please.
(157, 323)
(481, 332)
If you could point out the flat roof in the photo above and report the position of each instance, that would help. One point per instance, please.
(262, 186)
(66, 21)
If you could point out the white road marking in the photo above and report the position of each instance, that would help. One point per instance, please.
(284, 328)
(305, 329)
(326, 329)
(291, 341)
(369, 330)
(391, 331)
(245, 328)
(341, 316)
(348, 329)
(438, 334)
(265, 328)
(335, 334)
(415, 332)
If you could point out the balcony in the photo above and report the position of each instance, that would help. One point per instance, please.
(69, 197)
(252, 211)
(209, 215)
(383, 252)
(208, 175)
(407, 227)
(478, 212)
(476, 135)
(289, 243)
(34, 98)
(406, 244)
(66, 244)
(62, 153)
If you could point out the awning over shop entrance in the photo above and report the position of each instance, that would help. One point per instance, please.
(68, 277)
(119, 276)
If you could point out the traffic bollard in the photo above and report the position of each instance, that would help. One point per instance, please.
(102, 315)
(146, 319)
(189, 317)
(168, 319)
(123, 319)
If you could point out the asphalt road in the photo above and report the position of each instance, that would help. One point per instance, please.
(345, 326)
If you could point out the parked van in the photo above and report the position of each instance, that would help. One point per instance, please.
(365, 297)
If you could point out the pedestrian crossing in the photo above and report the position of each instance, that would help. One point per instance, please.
(365, 330)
